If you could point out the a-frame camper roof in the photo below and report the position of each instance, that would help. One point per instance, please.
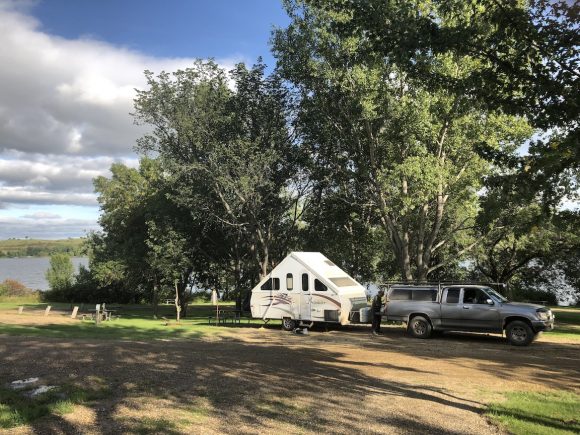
(318, 264)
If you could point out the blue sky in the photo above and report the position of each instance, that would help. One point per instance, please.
(180, 28)
(68, 70)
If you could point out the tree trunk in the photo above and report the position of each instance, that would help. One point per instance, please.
(177, 302)
(155, 301)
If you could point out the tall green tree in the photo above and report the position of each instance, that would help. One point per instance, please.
(231, 158)
(60, 275)
(412, 151)
(526, 53)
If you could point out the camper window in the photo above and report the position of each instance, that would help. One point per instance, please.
(305, 282)
(268, 284)
(289, 282)
(343, 282)
(319, 287)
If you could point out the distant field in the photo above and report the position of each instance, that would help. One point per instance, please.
(39, 248)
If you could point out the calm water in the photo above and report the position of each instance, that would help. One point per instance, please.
(30, 271)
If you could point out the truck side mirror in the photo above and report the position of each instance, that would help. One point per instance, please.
(489, 302)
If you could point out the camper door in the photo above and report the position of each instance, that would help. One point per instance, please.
(305, 297)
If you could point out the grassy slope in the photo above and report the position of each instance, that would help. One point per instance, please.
(28, 247)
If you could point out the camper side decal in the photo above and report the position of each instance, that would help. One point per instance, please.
(280, 299)
(335, 302)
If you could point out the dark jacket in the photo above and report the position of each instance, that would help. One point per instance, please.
(376, 304)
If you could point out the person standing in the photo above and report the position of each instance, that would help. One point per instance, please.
(376, 307)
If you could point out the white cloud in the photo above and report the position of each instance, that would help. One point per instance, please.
(69, 96)
(45, 227)
(64, 115)
(42, 215)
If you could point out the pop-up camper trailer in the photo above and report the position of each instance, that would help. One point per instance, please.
(308, 287)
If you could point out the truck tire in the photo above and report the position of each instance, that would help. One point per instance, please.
(288, 324)
(419, 327)
(519, 333)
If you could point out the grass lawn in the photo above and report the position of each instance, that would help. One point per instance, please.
(567, 323)
(136, 322)
(538, 413)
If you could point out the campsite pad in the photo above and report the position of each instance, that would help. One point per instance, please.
(269, 381)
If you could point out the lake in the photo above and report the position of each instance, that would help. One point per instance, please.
(30, 271)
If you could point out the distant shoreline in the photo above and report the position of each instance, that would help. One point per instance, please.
(30, 248)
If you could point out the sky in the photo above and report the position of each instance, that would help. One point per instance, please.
(68, 74)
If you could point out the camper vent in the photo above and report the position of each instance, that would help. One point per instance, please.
(330, 263)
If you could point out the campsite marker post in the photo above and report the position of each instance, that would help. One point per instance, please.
(215, 301)
(97, 314)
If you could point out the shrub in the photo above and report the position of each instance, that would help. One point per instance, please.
(11, 288)
(527, 294)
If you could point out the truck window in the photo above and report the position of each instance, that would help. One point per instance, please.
(305, 282)
(424, 295)
(271, 284)
(474, 296)
(399, 294)
(289, 282)
(452, 296)
(319, 287)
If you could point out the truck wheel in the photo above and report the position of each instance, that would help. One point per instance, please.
(419, 327)
(288, 324)
(519, 333)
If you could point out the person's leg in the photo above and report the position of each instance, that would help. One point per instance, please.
(379, 318)
(374, 324)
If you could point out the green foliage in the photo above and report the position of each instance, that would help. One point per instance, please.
(60, 275)
(410, 152)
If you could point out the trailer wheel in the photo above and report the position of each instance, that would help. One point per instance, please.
(419, 327)
(288, 324)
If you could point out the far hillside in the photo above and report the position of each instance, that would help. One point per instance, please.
(40, 248)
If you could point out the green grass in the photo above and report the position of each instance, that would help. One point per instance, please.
(551, 413)
(567, 324)
(136, 322)
(17, 409)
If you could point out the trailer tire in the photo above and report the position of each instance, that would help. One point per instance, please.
(419, 327)
(288, 324)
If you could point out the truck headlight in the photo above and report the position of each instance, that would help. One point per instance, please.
(543, 315)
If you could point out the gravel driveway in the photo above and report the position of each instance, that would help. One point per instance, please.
(250, 380)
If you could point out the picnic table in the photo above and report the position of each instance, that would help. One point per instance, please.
(225, 315)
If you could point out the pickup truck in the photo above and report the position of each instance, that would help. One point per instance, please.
(474, 308)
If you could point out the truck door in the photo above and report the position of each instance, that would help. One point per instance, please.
(451, 309)
(305, 298)
(477, 313)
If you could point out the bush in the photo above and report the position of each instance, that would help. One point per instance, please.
(12, 288)
(528, 294)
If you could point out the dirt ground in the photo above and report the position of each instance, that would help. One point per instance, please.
(250, 380)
